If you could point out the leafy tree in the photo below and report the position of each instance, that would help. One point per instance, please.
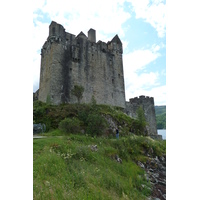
(96, 124)
(139, 124)
(78, 92)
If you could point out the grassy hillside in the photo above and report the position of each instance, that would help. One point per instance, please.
(160, 117)
(88, 118)
(68, 165)
(68, 168)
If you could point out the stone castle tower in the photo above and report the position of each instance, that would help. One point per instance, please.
(147, 104)
(68, 60)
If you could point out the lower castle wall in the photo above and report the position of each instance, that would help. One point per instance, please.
(147, 104)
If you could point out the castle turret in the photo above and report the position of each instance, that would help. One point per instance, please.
(147, 104)
(56, 30)
(92, 35)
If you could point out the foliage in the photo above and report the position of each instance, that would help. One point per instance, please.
(69, 125)
(66, 168)
(93, 101)
(78, 92)
(96, 125)
(160, 110)
(89, 116)
(48, 99)
(141, 121)
(161, 121)
(160, 117)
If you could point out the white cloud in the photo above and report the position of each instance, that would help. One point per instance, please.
(40, 34)
(153, 12)
(158, 93)
(135, 84)
(107, 19)
(138, 59)
(79, 16)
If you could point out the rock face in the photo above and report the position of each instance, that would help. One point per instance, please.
(39, 128)
(156, 173)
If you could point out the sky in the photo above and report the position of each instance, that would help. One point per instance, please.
(140, 24)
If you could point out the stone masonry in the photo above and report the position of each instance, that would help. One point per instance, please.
(147, 104)
(68, 60)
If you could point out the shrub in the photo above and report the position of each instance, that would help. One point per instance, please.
(69, 125)
(96, 125)
(78, 92)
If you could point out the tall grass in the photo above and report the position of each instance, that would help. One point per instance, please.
(67, 168)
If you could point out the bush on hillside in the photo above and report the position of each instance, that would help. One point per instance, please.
(96, 125)
(69, 125)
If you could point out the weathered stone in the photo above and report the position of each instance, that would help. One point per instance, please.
(118, 159)
(68, 60)
(141, 164)
(39, 128)
(94, 147)
(156, 173)
(147, 104)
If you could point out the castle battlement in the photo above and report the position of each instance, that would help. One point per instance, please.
(57, 34)
(141, 99)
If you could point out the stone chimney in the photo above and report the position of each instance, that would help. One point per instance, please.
(92, 35)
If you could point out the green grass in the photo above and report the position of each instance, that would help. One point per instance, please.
(66, 168)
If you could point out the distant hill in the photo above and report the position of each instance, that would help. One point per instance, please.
(160, 117)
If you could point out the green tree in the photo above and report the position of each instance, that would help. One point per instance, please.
(96, 124)
(140, 123)
(142, 120)
(78, 92)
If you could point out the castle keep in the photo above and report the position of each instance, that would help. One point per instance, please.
(68, 60)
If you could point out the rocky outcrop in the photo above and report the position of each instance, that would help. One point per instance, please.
(156, 173)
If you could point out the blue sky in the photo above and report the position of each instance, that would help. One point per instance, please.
(140, 24)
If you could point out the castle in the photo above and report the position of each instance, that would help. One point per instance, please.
(68, 60)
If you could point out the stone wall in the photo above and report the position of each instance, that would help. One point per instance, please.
(147, 104)
(67, 60)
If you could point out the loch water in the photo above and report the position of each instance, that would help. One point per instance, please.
(162, 132)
